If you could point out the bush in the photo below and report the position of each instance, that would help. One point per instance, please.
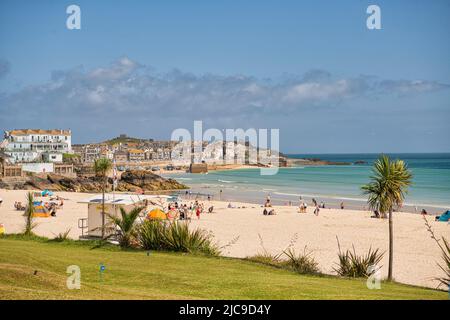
(175, 236)
(303, 263)
(62, 236)
(355, 266)
(266, 258)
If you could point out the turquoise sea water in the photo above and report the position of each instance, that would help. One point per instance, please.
(431, 181)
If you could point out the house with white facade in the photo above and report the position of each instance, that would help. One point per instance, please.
(29, 145)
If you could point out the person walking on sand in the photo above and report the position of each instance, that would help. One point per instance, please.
(197, 212)
(316, 211)
(342, 205)
(314, 202)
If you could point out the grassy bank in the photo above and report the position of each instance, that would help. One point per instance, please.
(161, 275)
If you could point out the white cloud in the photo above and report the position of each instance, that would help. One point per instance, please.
(126, 88)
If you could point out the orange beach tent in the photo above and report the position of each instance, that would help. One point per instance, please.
(41, 212)
(157, 214)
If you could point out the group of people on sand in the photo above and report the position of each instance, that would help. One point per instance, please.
(302, 208)
(178, 211)
(51, 206)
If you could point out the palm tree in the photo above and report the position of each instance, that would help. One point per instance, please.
(101, 168)
(386, 190)
(126, 224)
(29, 215)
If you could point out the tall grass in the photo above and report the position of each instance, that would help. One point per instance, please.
(303, 263)
(357, 266)
(62, 236)
(175, 236)
(445, 250)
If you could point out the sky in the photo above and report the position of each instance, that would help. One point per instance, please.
(311, 69)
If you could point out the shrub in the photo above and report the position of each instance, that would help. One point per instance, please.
(303, 263)
(266, 258)
(150, 235)
(175, 236)
(300, 263)
(62, 236)
(357, 266)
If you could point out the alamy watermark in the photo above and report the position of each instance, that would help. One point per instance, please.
(373, 21)
(74, 279)
(228, 146)
(73, 21)
(374, 280)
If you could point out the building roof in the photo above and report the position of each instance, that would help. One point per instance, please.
(122, 199)
(135, 151)
(53, 132)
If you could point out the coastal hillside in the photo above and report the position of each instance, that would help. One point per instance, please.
(131, 181)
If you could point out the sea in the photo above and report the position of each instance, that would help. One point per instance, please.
(331, 184)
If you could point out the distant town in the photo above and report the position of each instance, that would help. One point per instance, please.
(52, 151)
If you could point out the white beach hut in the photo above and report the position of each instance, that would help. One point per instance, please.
(113, 203)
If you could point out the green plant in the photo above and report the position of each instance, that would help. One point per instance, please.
(62, 236)
(386, 190)
(175, 236)
(357, 266)
(126, 225)
(445, 250)
(151, 235)
(101, 168)
(266, 258)
(303, 263)
(29, 215)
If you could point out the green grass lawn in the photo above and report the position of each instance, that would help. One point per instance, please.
(161, 275)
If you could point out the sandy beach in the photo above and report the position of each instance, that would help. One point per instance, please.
(415, 254)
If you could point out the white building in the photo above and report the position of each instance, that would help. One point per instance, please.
(28, 145)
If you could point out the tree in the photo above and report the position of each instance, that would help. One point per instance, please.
(126, 224)
(386, 190)
(29, 215)
(101, 168)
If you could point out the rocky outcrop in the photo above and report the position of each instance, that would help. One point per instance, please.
(131, 181)
(147, 180)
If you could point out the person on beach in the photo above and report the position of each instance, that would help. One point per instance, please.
(267, 204)
(322, 205)
(197, 212)
(316, 211)
(314, 202)
(424, 212)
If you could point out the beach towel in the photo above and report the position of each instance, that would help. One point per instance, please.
(445, 217)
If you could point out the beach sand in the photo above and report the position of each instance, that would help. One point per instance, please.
(415, 254)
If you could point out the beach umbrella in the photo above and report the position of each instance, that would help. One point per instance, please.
(157, 214)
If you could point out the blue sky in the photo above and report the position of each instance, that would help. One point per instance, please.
(310, 68)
